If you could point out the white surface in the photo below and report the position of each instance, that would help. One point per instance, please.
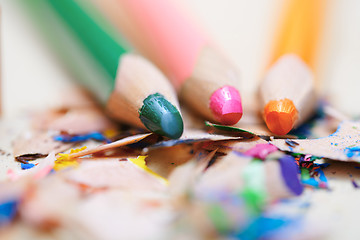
(31, 76)
(341, 55)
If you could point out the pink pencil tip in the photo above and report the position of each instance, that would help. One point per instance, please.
(225, 103)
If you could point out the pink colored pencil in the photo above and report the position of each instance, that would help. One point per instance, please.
(204, 79)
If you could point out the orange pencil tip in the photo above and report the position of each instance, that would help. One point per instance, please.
(280, 116)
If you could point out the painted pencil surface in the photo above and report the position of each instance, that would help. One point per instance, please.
(141, 94)
(205, 79)
(288, 92)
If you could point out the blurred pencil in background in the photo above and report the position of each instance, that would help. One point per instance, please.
(205, 80)
(141, 94)
(288, 89)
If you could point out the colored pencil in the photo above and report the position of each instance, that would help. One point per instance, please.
(204, 78)
(141, 94)
(288, 95)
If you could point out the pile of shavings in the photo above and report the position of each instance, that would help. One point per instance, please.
(240, 213)
(224, 183)
(312, 173)
(249, 200)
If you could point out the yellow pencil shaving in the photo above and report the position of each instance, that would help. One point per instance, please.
(140, 162)
(109, 133)
(64, 160)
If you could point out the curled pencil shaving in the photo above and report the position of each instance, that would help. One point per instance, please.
(64, 161)
(140, 162)
(342, 145)
(119, 143)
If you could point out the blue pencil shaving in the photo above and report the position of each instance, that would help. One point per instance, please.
(25, 166)
(291, 143)
(316, 184)
(97, 136)
(264, 228)
(8, 211)
(352, 151)
(322, 176)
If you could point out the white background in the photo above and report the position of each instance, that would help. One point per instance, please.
(242, 28)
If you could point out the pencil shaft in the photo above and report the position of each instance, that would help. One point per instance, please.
(99, 43)
(300, 30)
(174, 42)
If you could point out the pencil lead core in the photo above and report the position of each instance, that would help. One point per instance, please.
(280, 116)
(160, 116)
(225, 103)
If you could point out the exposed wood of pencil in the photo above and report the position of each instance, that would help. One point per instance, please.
(136, 79)
(119, 143)
(290, 78)
(211, 72)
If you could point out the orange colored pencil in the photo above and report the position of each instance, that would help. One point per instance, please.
(287, 92)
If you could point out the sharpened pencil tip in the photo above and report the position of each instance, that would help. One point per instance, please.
(160, 116)
(280, 116)
(225, 103)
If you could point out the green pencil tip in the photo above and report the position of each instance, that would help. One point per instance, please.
(160, 116)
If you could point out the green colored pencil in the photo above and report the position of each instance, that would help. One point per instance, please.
(141, 95)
